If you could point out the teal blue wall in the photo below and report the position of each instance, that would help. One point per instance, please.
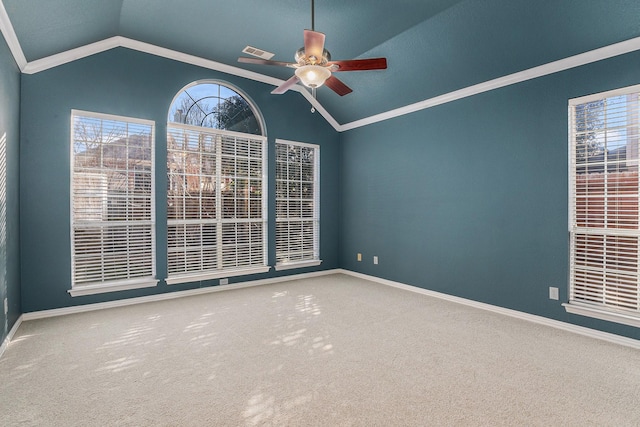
(9, 237)
(470, 198)
(130, 83)
(467, 198)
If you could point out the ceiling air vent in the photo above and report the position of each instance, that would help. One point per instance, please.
(250, 50)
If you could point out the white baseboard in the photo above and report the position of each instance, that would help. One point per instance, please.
(169, 295)
(580, 330)
(10, 335)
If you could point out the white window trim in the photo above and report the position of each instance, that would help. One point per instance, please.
(116, 285)
(581, 309)
(308, 262)
(601, 312)
(300, 264)
(596, 96)
(181, 277)
(198, 277)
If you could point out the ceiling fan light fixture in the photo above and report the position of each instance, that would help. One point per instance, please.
(313, 76)
(313, 66)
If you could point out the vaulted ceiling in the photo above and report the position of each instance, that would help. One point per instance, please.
(433, 47)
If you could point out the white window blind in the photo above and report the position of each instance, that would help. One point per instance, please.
(297, 204)
(604, 188)
(112, 202)
(216, 203)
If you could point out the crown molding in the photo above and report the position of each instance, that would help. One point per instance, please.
(228, 69)
(62, 58)
(119, 41)
(11, 38)
(52, 61)
(595, 55)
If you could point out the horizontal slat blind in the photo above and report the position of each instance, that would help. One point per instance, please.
(216, 200)
(297, 202)
(604, 186)
(112, 199)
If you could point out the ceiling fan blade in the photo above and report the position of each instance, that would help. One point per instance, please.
(337, 86)
(265, 62)
(313, 44)
(286, 85)
(360, 64)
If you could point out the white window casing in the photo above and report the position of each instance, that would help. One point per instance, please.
(112, 203)
(297, 205)
(217, 209)
(604, 188)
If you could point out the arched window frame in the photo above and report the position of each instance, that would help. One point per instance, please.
(217, 199)
(221, 84)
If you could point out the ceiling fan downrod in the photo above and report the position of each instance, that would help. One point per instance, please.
(312, 16)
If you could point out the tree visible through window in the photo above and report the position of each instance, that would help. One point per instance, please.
(113, 214)
(212, 105)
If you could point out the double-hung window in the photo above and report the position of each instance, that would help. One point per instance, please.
(603, 206)
(112, 203)
(217, 209)
(297, 204)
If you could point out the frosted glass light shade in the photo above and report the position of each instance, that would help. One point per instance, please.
(313, 75)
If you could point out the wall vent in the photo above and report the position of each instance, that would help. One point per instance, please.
(250, 50)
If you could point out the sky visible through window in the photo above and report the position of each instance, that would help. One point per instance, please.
(613, 121)
(212, 93)
(213, 105)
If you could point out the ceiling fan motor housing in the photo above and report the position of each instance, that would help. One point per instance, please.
(302, 59)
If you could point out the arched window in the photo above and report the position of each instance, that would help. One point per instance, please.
(214, 105)
(216, 195)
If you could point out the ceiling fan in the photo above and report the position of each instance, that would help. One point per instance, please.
(314, 67)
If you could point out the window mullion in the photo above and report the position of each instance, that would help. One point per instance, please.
(218, 142)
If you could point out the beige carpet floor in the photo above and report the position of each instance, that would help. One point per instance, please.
(329, 351)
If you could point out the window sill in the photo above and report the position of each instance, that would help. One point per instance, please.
(185, 278)
(301, 264)
(102, 288)
(602, 313)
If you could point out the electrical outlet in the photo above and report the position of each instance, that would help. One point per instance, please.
(375, 260)
(553, 293)
(224, 281)
(359, 257)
